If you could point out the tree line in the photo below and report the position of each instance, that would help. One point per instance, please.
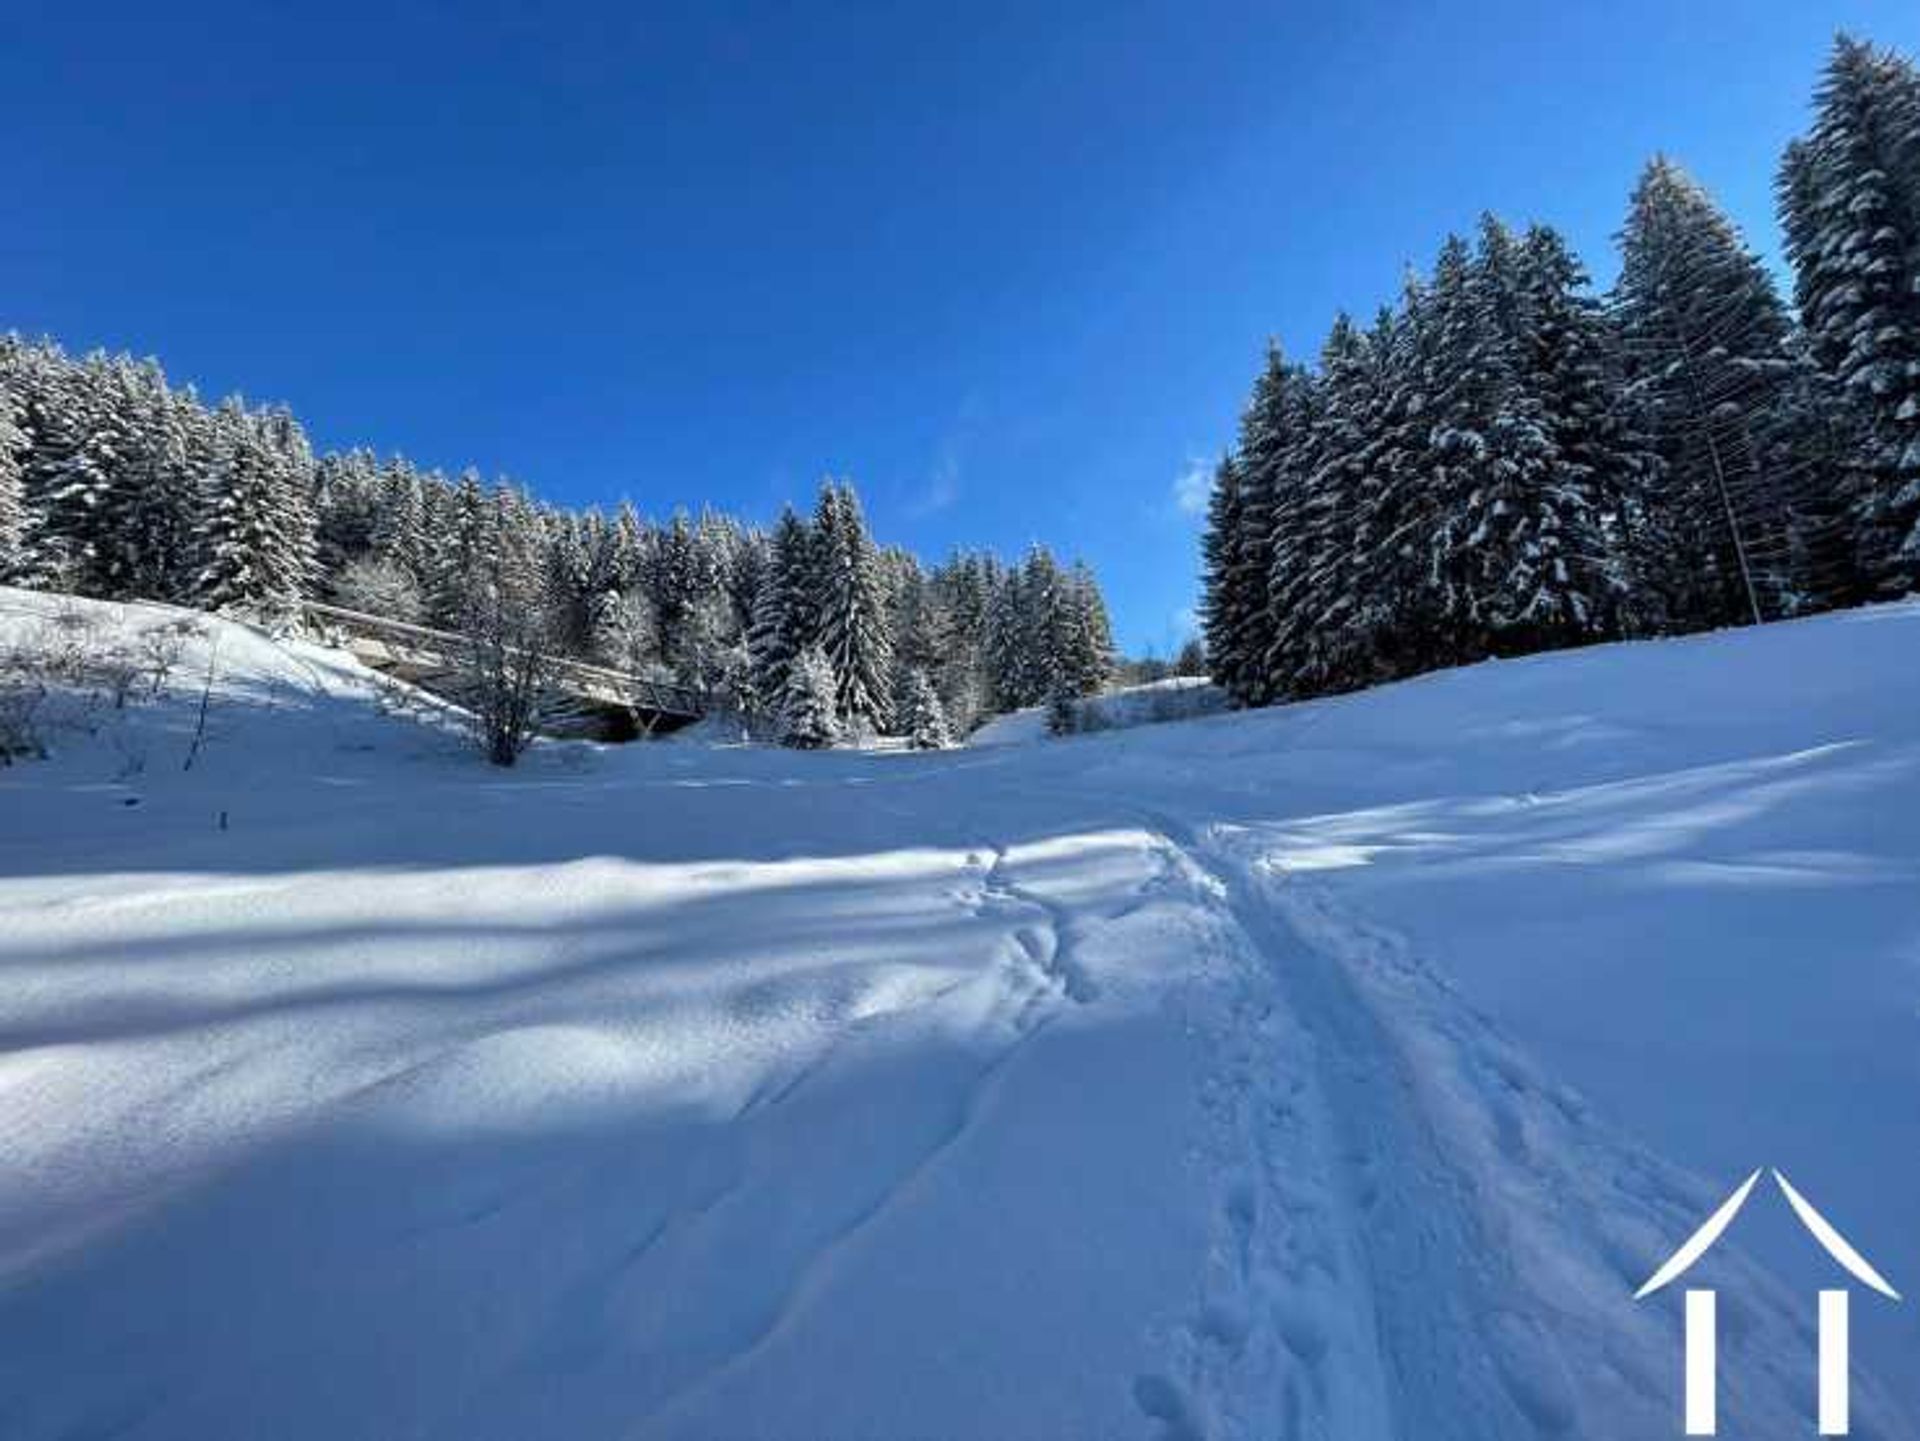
(118, 485)
(1504, 462)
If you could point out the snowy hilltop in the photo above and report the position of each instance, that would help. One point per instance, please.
(1336, 1070)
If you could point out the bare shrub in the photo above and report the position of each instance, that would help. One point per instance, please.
(380, 587)
(507, 671)
(161, 647)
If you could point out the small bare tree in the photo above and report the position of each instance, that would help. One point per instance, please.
(507, 670)
(161, 647)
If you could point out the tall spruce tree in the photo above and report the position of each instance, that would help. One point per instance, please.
(1850, 200)
(13, 495)
(1221, 598)
(461, 550)
(257, 556)
(1709, 356)
(852, 602)
(1570, 358)
(785, 612)
(1497, 582)
(155, 500)
(1316, 578)
(1271, 429)
(400, 526)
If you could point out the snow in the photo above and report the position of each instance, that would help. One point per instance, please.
(1175, 698)
(1335, 1070)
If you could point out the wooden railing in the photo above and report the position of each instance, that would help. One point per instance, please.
(594, 681)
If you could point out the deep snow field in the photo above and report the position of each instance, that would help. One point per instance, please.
(1334, 1071)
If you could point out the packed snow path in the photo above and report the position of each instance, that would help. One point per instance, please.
(1338, 1071)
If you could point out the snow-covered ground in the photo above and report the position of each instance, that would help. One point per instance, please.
(1334, 1071)
(1175, 698)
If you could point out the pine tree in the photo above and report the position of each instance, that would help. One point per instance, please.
(154, 498)
(853, 607)
(13, 496)
(1221, 599)
(458, 558)
(675, 577)
(965, 585)
(348, 496)
(1374, 400)
(1083, 637)
(808, 706)
(1491, 586)
(291, 459)
(400, 530)
(1709, 357)
(258, 557)
(923, 719)
(785, 613)
(1272, 430)
(1317, 509)
(1850, 201)
(1569, 354)
(63, 477)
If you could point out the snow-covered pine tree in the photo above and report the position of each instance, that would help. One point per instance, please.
(1385, 394)
(625, 549)
(1220, 597)
(923, 720)
(853, 607)
(1267, 458)
(292, 461)
(674, 567)
(1708, 353)
(1570, 361)
(13, 495)
(1850, 201)
(400, 529)
(1083, 647)
(1489, 588)
(751, 554)
(514, 545)
(154, 499)
(917, 628)
(785, 612)
(965, 586)
(62, 475)
(256, 543)
(809, 718)
(717, 542)
(1023, 643)
(348, 496)
(460, 551)
(1313, 585)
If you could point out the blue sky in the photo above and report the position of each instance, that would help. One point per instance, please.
(1010, 267)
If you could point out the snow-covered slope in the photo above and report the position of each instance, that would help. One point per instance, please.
(1172, 699)
(1333, 1071)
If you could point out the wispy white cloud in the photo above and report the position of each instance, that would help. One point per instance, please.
(945, 478)
(1192, 487)
(942, 487)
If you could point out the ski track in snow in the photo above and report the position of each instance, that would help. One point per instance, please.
(1390, 1165)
